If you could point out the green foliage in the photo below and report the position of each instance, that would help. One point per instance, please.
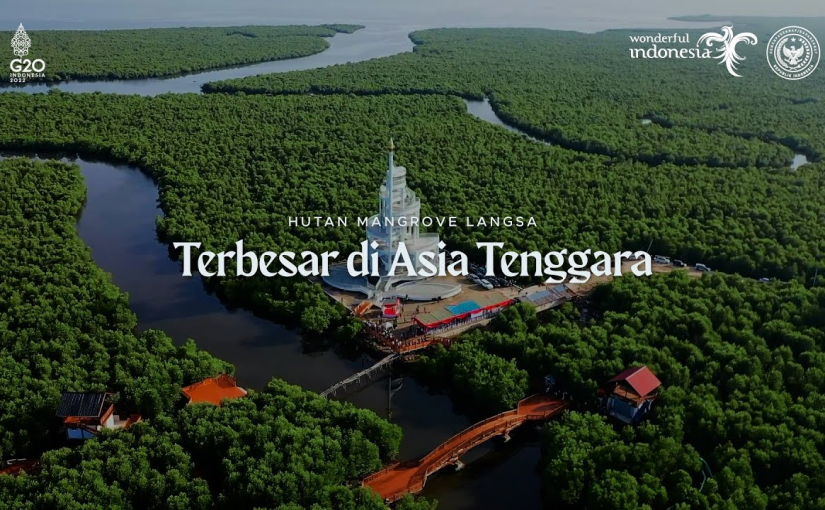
(152, 52)
(743, 369)
(248, 163)
(585, 92)
(144, 467)
(63, 325)
(493, 383)
(410, 503)
(286, 445)
(742, 362)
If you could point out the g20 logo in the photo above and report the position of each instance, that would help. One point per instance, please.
(23, 68)
(25, 65)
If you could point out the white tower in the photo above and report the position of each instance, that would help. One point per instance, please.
(398, 220)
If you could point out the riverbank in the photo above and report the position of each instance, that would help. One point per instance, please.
(367, 43)
(253, 347)
(111, 55)
(118, 225)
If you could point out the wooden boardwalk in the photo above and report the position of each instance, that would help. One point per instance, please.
(395, 351)
(367, 373)
(396, 480)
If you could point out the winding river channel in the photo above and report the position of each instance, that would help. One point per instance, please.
(118, 224)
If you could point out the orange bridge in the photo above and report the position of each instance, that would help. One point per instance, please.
(396, 480)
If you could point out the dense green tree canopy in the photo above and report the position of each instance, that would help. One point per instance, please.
(286, 445)
(143, 53)
(238, 167)
(742, 362)
(585, 92)
(743, 369)
(65, 327)
(144, 467)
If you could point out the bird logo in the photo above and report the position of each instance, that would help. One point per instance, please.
(793, 53)
(727, 52)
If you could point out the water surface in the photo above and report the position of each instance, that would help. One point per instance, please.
(118, 222)
(344, 48)
(118, 225)
(798, 161)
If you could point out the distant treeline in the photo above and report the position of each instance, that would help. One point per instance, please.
(153, 52)
(584, 92)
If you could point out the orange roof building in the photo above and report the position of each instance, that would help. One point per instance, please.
(213, 390)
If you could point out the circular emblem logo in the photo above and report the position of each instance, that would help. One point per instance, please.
(793, 53)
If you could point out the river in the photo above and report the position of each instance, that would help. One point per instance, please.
(118, 224)
(364, 44)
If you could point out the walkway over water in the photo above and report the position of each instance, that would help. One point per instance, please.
(397, 480)
(396, 351)
(367, 373)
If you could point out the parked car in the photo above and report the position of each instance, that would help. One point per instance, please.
(679, 263)
(661, 260)
(702, 267)
(487, 285)
(764, 280)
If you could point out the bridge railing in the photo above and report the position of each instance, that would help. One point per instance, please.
(446, 444)
(378, 474)
(463, 441)
(437, 463)
(546, 414)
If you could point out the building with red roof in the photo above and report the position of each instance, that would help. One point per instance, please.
(391, 308)
(630, 394)
(213, 390)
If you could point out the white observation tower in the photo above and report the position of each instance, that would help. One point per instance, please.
(398, 220)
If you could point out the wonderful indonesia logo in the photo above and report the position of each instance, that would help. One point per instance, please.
(720, 46)
(24, 69)
(793, 52)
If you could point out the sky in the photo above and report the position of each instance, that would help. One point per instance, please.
(575, 15)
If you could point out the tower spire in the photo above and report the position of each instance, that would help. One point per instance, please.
(389, 182)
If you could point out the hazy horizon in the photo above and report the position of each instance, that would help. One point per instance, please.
(583, 15)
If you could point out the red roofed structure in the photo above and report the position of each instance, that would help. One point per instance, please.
(213, 390)
(640, 379)
(391, 308)
(631, 393)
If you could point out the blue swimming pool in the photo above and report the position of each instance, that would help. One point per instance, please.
(463, 307)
